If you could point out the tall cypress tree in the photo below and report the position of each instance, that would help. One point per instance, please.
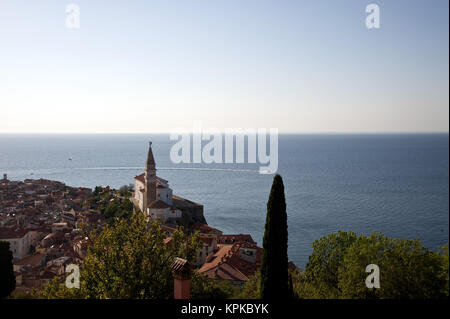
(274, 269)
(7, 278)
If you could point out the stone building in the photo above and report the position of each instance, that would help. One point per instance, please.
(154, 197)
(19, 240)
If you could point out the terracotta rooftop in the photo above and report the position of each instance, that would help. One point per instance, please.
(226, 263)
(12, 233)
(167, 228)
(231, 239)
(202, 227)
(33, 260)
(141, 178)
(220, 265)
(227, 271)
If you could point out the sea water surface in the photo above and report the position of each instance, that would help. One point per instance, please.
(394, 184)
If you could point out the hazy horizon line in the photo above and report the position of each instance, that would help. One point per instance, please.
(221, 131)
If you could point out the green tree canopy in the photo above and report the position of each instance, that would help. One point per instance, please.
(324, 263)
(126, 190)
(407, 269)
(118, 207)
(129, 259)
(252, 287)
(274, 268)
(203, 287)
(337, 268)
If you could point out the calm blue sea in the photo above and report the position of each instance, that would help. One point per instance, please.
(395, 184)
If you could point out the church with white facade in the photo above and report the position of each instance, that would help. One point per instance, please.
(152, 194)
(154, 197)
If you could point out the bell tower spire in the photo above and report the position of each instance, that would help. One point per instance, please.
(150, 179)
(150, 164)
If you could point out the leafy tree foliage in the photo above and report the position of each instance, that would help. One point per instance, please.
(274, 269)
(324, 263)
(126, 190)
(111, 203)
(129, 259)
(97, 191)
(336, 268)
(7, 278)
(252, 288)
(203, 287)
(118, 207)
(407, 269)
(445, 268)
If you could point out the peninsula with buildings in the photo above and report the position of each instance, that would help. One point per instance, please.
(47, 225)
(154, 197)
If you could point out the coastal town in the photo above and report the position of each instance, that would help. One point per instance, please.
(48, 223)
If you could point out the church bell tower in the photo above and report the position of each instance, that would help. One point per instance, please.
(150, 179)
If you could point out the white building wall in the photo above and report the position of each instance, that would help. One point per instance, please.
(173, 213)
(138, 195)
(19, 246)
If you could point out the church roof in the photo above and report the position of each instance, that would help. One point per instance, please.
(141, 178)
(162, 180)
(158, 204)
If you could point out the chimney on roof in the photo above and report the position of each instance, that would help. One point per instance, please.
(5, 177)
(182, 272)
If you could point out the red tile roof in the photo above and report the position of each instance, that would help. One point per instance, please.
(33, 260)
(227, 271)
(202, 227)
(167, 228)
(12, 233)
(141, 177)
(226, 263)
(231, 239)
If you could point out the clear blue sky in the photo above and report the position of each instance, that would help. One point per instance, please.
(153, 66)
